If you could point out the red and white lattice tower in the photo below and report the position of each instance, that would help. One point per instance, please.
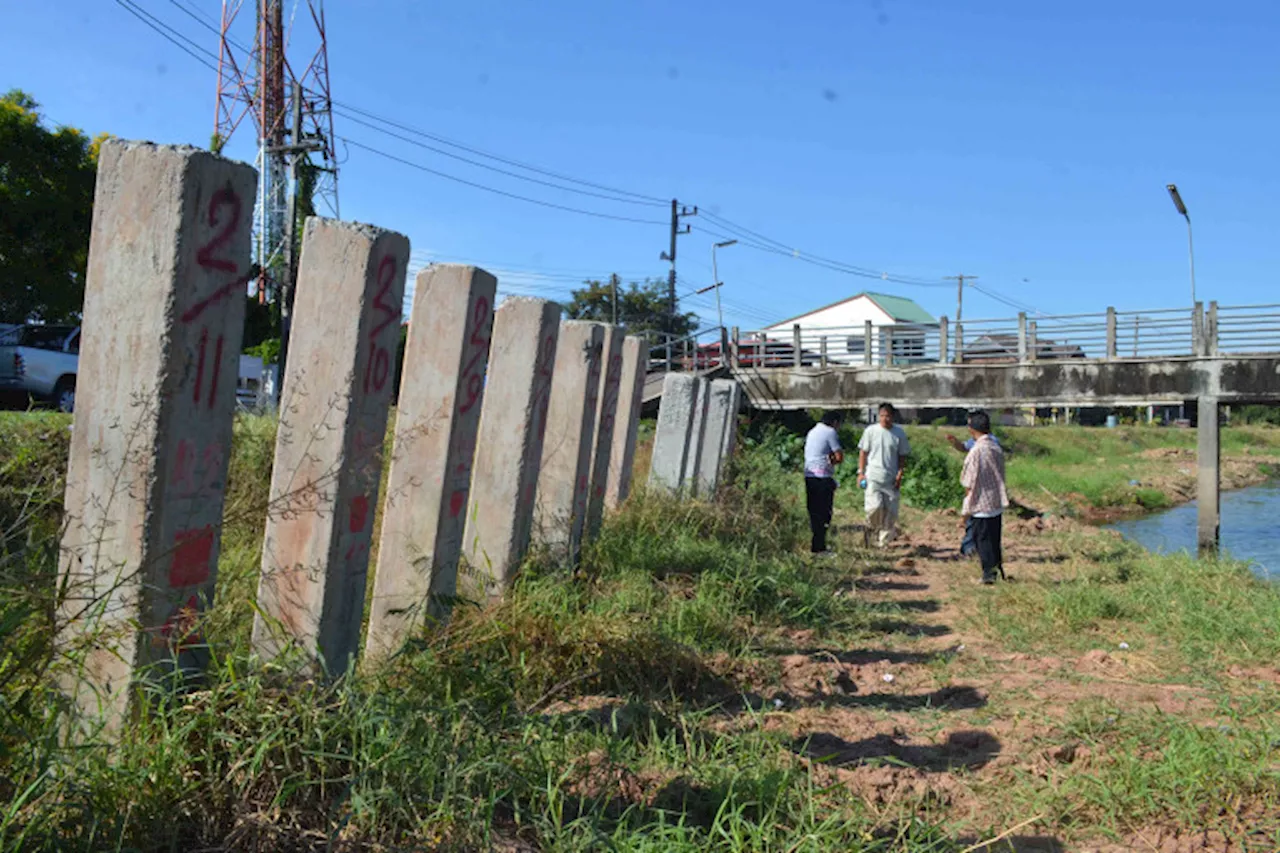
(260, 83)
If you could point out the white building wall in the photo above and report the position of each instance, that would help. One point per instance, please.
(847, 322)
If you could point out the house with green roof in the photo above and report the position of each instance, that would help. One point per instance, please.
(899, 328)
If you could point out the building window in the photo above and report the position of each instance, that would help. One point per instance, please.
(856, 344)
(908, 347)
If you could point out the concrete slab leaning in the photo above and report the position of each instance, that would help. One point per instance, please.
(564, 474)
(675, 425)
(333, 421)
(606, 422)
(717, 434)
(697, 436)
(163, 318)
(504, 475)
(429, 480)
(635, 366)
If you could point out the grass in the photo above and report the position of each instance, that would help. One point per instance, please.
(603, 708)
(472, 735)
(1060, 466)
(1202, 617)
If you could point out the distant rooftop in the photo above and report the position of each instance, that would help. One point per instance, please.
(899, 308)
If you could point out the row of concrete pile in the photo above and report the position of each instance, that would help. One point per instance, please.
(512, 428)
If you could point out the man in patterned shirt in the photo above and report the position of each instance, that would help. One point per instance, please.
(985, 498)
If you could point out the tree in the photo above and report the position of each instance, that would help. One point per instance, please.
(46, 209)
(640, 307)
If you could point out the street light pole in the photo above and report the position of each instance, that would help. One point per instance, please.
(1191, 252)
(715, 277)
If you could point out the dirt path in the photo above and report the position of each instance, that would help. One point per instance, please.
(937, 718)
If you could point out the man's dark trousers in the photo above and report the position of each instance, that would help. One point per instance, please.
(967, 545)
(820, 495)
(986, 535)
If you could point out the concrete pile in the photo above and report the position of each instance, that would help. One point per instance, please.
(513, 429)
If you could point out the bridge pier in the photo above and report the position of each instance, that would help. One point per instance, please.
(1207, 463)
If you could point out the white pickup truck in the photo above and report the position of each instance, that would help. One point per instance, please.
(41, 360)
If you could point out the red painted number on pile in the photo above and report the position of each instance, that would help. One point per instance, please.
(378, 368)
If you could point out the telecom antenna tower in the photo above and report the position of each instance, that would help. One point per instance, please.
(264, 84)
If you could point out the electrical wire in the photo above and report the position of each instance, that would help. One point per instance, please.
(495, 190)
(350, 117)
(505, 160)
(165, 31)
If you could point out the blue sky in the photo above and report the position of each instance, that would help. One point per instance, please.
(1028, 143)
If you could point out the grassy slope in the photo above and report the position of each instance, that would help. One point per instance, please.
(582, 712)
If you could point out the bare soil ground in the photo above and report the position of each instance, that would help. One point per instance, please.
(940, 718)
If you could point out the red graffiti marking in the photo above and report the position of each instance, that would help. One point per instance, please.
(225, 197)
(192, 477)
(204, 344)
(183, 480)
(192, 552)
(204, 255)
(180, 629)
(456, 501)
(358, 548)
(378, 368)
(359, 514)
(217, 364)
(198, 388)
(480, 342)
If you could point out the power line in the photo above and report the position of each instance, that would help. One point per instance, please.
(165, 31)
(481, 165)
(495, 190)
(505, 160)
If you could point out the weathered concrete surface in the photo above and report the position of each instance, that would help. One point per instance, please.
(1208, 460)
(606, 423)
(630, 398)
(717, 434)
(504, 475)
(163, 318)
(564, 475)
(328, 463)
(675, 428)
(1073, 382)
(697, 430)
(429, 481)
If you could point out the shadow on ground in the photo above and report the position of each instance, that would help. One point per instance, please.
(969, 749)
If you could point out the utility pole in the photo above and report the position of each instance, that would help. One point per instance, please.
(677, 211)
(960, 280)
(297, 152)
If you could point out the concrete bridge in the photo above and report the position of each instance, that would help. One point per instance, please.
(1214, 355)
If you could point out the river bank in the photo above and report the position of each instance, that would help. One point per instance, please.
(1106, 475)
(699, 682)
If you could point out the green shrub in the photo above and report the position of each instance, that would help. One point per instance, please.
(932, 480)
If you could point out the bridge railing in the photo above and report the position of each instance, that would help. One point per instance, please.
(1160, 333)
(1245, 329)
(703, 350)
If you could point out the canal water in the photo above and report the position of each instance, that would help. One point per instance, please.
(1250, 528)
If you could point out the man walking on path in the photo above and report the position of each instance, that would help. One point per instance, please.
(985, 498)
(967, 546)
(882, 457)
(822, 453)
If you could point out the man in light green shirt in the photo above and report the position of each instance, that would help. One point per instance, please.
(882, 458)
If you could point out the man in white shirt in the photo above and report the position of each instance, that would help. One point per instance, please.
(882, 459)
(822, 453)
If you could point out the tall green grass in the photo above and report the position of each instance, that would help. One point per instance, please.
(476, 734)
